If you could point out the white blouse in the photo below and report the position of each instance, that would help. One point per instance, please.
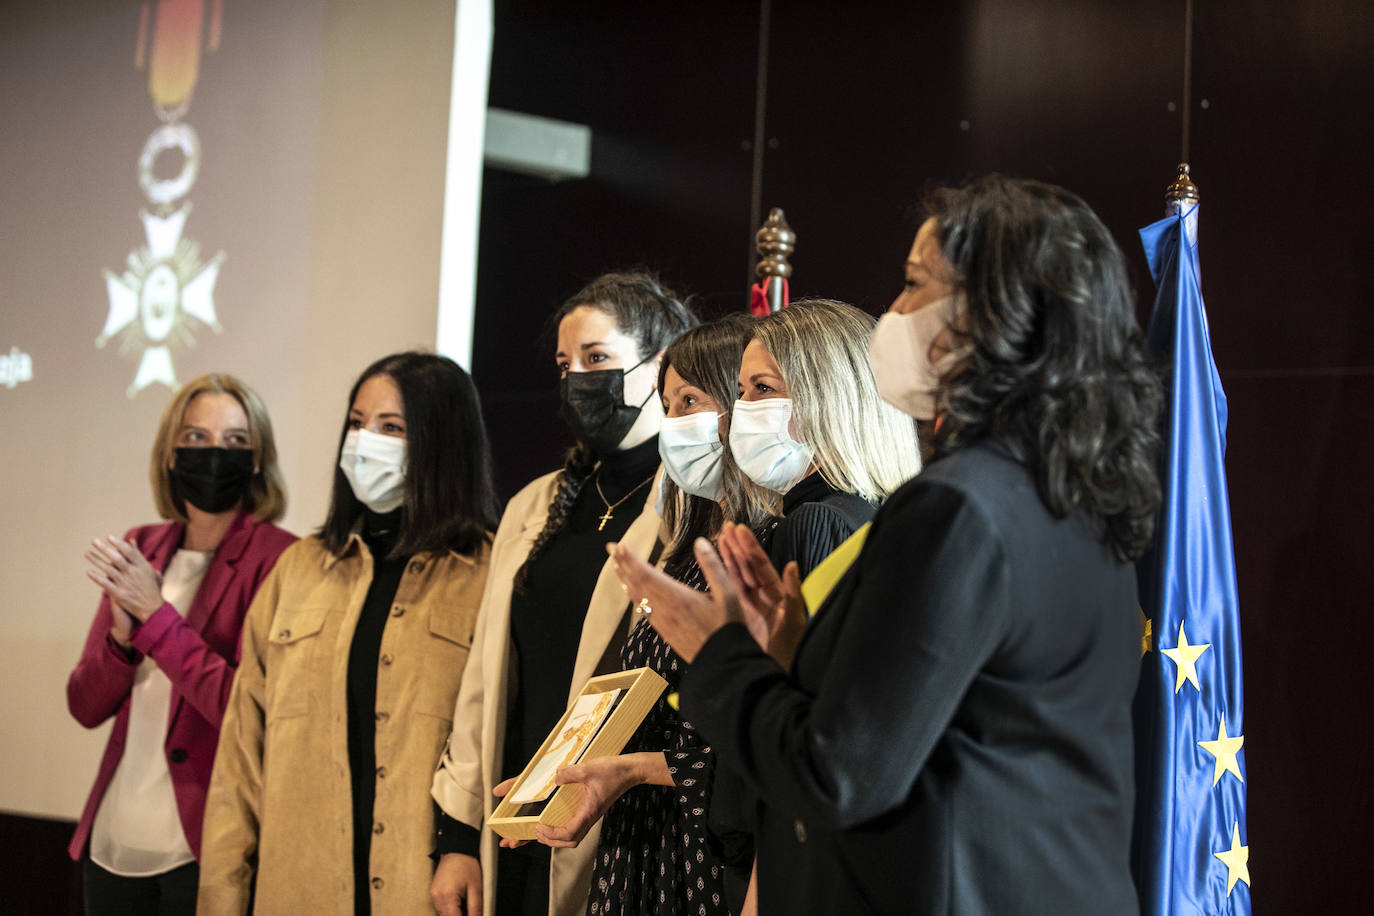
(137, 830)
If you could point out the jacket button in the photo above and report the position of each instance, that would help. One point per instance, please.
(417, 566)
(386, 659)
(799, 829)
(178, 755)
(378, 827)
(397, 611)
(284, 634)
(382, 716)
(378, 884)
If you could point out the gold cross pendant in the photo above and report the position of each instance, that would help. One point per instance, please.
(604, 519)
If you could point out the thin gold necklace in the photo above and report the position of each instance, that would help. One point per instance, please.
(611, 506)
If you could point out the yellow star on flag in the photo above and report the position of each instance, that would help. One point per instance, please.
(1224, 749)
(1236, 859)
(1147, 632)
(1185, 657)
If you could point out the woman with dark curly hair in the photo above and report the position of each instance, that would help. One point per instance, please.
(554, 614)
(954, 734)
(654, 855)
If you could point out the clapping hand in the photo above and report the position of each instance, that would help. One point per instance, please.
(683, 616)
(773, 607)
(125, 575)
(744, 587)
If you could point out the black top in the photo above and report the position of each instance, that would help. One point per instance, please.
(955, 733)
(816, 518)
(379, 534)
(546, 617)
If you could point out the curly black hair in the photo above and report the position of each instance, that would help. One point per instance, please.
(645, 309)
(1057, 372)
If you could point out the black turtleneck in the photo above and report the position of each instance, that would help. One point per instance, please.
(379, 533)
(546, 617)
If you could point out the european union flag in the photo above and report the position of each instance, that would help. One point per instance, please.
(1191, 848)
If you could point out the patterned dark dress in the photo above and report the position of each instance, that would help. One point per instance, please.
(653, 856)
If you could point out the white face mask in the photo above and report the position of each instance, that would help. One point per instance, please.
(690, 447)
(375, 466)
(762, 447)
(899, 353)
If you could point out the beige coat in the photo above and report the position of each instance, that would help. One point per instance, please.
(468, 769)
(280, 800)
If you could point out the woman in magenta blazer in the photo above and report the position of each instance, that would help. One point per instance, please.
(161, 653)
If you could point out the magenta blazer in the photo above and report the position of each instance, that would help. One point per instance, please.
(199, 653)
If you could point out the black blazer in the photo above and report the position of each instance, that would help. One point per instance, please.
(955, 735)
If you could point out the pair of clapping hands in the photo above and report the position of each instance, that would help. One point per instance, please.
(745, 588)
(129, 580)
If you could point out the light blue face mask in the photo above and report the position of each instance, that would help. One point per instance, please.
(691, 450)
(763, 449)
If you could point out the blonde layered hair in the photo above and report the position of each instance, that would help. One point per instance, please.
(266, 496)
(862, 444)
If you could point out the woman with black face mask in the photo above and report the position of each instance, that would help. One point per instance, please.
(552, 617)
(161, 654)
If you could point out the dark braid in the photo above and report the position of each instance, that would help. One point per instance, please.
(578, 466)
(645, 310)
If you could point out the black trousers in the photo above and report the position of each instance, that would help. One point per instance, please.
(172, 893)
(522, 881)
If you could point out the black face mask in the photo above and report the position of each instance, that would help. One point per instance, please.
(593, 405)
(212, 479)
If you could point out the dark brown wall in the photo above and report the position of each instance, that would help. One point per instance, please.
(869, 107)
(669, 97)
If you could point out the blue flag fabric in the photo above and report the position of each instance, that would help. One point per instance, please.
(1191, 847)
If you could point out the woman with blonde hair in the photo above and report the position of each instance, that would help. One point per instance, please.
(812, 427)
(161, 653)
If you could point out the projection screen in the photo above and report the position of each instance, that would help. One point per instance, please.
(260, 188)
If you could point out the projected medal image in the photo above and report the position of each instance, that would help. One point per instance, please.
(166, 292)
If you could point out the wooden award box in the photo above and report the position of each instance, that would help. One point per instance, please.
(638, 690)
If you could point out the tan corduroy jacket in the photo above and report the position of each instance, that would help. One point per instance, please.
(280, 803)
(469, 767)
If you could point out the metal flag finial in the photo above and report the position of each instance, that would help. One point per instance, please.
(1182, 194)
(775, 240)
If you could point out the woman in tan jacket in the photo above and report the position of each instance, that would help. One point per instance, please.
(351, 657)
(552, 615)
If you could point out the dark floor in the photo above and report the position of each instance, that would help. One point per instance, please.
(39, 878)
